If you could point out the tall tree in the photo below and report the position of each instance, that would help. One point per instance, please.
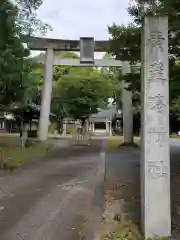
(15, 82)
(27, 18)
(125, 42)
(77, 91)
(82, 91)
(12, 64)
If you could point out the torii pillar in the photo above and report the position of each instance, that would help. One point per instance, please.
(127, 108)
(46, 96)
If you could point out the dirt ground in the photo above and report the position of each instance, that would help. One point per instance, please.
(122, 186)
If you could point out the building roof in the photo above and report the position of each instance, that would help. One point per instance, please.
(105, 114)
(38, 108)
(32, 109)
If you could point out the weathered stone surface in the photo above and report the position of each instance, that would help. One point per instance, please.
(127, 108)
(155, 157)
(46, 96)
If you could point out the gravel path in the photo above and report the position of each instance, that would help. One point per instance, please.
(51, 199)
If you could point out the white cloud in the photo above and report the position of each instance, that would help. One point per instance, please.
(81, 18)
(72, 19)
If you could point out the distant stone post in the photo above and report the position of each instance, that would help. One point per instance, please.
(110, 129)
(46, 96)
(127, 108)
(64, 133)
(93, 127)
(155, 156)
(107, 126)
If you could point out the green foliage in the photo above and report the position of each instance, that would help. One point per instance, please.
(17, 82)
(126, 230)
(125, 44)
(27, 19)
(12, 155)
(63, 70)
(81, 92)
(77, 91)
(13, 68)
(172, 8)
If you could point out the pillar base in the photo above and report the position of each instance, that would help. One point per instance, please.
(128, 144)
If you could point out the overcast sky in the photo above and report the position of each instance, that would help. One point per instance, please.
(72, 19)
(83, 18)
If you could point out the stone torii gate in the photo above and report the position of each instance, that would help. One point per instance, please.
(155, 154)
(87, 47)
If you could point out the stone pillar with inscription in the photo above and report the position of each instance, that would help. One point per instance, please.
(155, 155)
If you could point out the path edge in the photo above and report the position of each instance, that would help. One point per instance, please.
(97, 202)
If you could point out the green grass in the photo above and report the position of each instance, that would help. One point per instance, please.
(115, 142)
(13, 156)
(174, 137)
(126, 230)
